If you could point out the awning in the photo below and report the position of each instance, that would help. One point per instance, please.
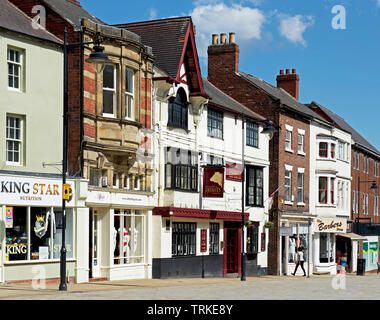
(352, 236)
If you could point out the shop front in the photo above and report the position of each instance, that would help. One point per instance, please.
(196, 243)
(326, 231)
(371, 252)
(119, 238)
(295, 233)
(31, 228)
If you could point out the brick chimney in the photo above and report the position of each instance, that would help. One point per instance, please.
(289, 82)
(223, 57)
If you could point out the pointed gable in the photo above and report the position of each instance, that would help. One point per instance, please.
(174, 48)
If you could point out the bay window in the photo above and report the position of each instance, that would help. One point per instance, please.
(129, 94)
(109, 91)
(322, 187)
(323, 149)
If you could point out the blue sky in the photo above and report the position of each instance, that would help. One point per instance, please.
(339, 68)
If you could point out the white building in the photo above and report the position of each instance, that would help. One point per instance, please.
(330, 192)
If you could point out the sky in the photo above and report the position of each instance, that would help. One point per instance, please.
(333, 45)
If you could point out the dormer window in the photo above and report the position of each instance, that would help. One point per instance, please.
(178, 114)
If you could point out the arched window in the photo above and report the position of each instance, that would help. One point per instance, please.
(177, 116)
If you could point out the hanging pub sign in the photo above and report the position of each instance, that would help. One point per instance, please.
(331, 225)
(233, 171)
(9, 217)
(213, 182)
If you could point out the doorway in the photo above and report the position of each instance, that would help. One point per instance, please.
(232, 249)
(94, 257)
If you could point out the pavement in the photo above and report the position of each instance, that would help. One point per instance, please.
(317, 287)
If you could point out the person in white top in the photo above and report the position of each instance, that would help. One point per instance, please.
(300, 261)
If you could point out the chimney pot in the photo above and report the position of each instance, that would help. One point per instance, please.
(223, 38)
(281, 71)
(232, 37)
(287, 71)
(215, 39)
(294, 71)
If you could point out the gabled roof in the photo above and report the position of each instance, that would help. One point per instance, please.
(13, 19)
(341, 123)
(223, 100)
(173, 43)
(71, 11)
(280, 94)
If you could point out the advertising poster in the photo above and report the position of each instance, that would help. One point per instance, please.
(9, 217)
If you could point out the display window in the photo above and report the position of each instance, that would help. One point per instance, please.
(326, 247)
(35, 233)
(298, 239)
(128, 237)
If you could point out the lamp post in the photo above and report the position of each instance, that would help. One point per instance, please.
(98, 58)
(268, 130)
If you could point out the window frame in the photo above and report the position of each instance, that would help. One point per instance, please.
(288, 140)
(181, 235)
(300, 174)
(19, 141)
(252, 134)
(288, 187)
(178, 104)
(258, 191)
(323, 190)
(215, 123)
(19, 65)
(113, 90)
(129, 95)
(324, 150)
(214, 238)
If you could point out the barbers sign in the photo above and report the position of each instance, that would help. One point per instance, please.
(31, 191)
(331, 225)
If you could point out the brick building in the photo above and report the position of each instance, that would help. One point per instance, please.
(289, 149)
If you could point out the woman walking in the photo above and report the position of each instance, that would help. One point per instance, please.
(300, 261)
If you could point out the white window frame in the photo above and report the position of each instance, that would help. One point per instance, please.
(114, 90)
(288, 170)
(301, 146)
(302, 173)
(130, 96)
(341, 153)
(17, 64)
(288, 140)
(19, 141)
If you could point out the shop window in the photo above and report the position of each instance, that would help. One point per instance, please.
(128, 237)
(36, 234)
(252, 239)
(183, 238)
(214, 238)
(326, 247)
(299, 238)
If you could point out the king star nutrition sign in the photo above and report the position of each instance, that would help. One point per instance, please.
(31, 191)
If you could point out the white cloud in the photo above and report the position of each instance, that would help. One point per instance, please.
(293, 27)
(378, 3)
(245, 21)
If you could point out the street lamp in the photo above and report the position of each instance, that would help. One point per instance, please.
(268, 130)
(97, 58)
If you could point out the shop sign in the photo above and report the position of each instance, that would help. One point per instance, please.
(9, 217)
(31, 191)
(373, 247)
(234, 171)
(331, 225)
(286, 231)
(18, 248)
(203, 240)
(213, 182)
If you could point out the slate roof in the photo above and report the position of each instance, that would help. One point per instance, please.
(70, 11)
(282, 95)
(12, 18)
(220, 98)
(340, 122)
(166, 37)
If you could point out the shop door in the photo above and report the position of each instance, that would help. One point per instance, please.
(94, 245)
(232, 253)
